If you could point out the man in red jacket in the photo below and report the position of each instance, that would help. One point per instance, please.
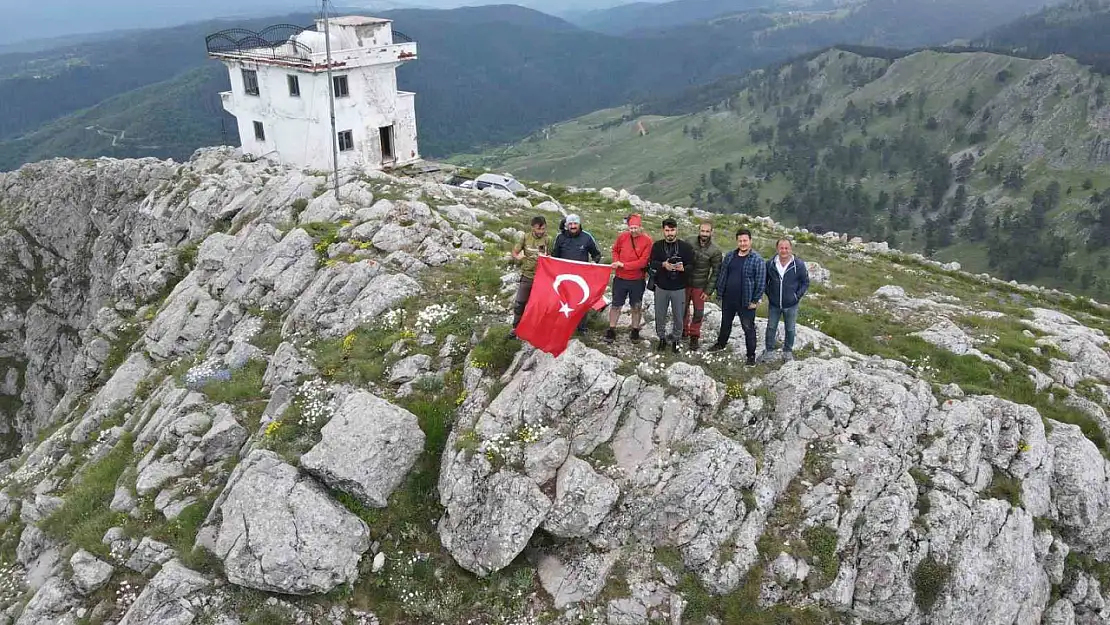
(631, 252)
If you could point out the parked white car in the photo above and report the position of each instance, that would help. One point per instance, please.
(497, 181)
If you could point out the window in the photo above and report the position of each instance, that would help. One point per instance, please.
(259, 131)
(385, 134)
(340, 85)
(294, 86)
(346, 141)
(250, 81)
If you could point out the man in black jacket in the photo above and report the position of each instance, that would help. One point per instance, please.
(671, 257)
(574, 243)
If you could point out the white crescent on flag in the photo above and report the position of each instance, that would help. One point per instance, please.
(580, 281)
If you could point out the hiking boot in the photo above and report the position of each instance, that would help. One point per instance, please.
(610, 335)
(788, 356)
(674, 346)
(634, 336)
(693, 343)
(751, 361)
(662, 346)
(717, 347)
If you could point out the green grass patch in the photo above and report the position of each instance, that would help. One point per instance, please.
(324, 234)
(181, 532)
(187, 256)
(496, 350)
(84, 516)
(126, 335)
(929, 579)
(269, 337)
(10, 533)
(1005, 487)
(821, 541)
(244, 386)
(358, 358)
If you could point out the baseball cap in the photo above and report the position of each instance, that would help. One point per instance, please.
(574, 219)
(634, 221)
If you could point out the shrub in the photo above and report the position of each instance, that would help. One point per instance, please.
(928, 581)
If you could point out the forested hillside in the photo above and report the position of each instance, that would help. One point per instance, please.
(997, 161)
(1077, 28)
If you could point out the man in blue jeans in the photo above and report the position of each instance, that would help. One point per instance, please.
(787, 283)
(741, 281)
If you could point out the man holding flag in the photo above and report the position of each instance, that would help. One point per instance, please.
(563, 291)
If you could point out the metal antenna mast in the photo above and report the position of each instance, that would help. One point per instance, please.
(331, 103)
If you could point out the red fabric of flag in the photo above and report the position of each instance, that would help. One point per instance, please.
(562, 292)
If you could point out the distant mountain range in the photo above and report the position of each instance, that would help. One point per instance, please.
(1078, 28)
(1000, 162)
(486, 75)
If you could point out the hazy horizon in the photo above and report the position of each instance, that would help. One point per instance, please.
(28, 23)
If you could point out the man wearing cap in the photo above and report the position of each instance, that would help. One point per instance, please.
(574, 243)
(631, 253)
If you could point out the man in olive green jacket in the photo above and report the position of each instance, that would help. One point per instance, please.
(527, 251)
(700, 282)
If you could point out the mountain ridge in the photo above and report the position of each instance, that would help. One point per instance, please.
(206, 349)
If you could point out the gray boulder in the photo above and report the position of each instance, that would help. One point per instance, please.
(366, 449)
(89, 573)
(55, 603)
(281, 532)
(582, 499)
(148, 555)
(489, 518)
(408, 369)
(166, 599)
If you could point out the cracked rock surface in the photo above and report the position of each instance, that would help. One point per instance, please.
(281, 532)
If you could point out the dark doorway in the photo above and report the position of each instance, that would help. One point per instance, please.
(385, 133)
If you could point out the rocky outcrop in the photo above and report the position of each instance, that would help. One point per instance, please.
(281, 532)
(257, 351)
(366, 449)
(89, 573)
(169, 598)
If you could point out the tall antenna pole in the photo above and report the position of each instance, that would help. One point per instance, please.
(331, 103)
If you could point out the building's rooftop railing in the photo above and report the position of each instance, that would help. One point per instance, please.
(277, 44)
(273, 41)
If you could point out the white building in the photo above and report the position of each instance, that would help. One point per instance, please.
(279, 93)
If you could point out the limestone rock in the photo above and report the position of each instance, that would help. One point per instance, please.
(947, 335)
(55, 603)
(166, 599)
(286, 366)
(408, 369)
(366, 449)
(343, 296)
(146, 272)
(571, 575)
(488, 519)
(89, 573)
(280, 532)
(149, 554)
(582, 499)
(222, 440)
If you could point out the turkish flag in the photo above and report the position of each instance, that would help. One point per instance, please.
(562, 292)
